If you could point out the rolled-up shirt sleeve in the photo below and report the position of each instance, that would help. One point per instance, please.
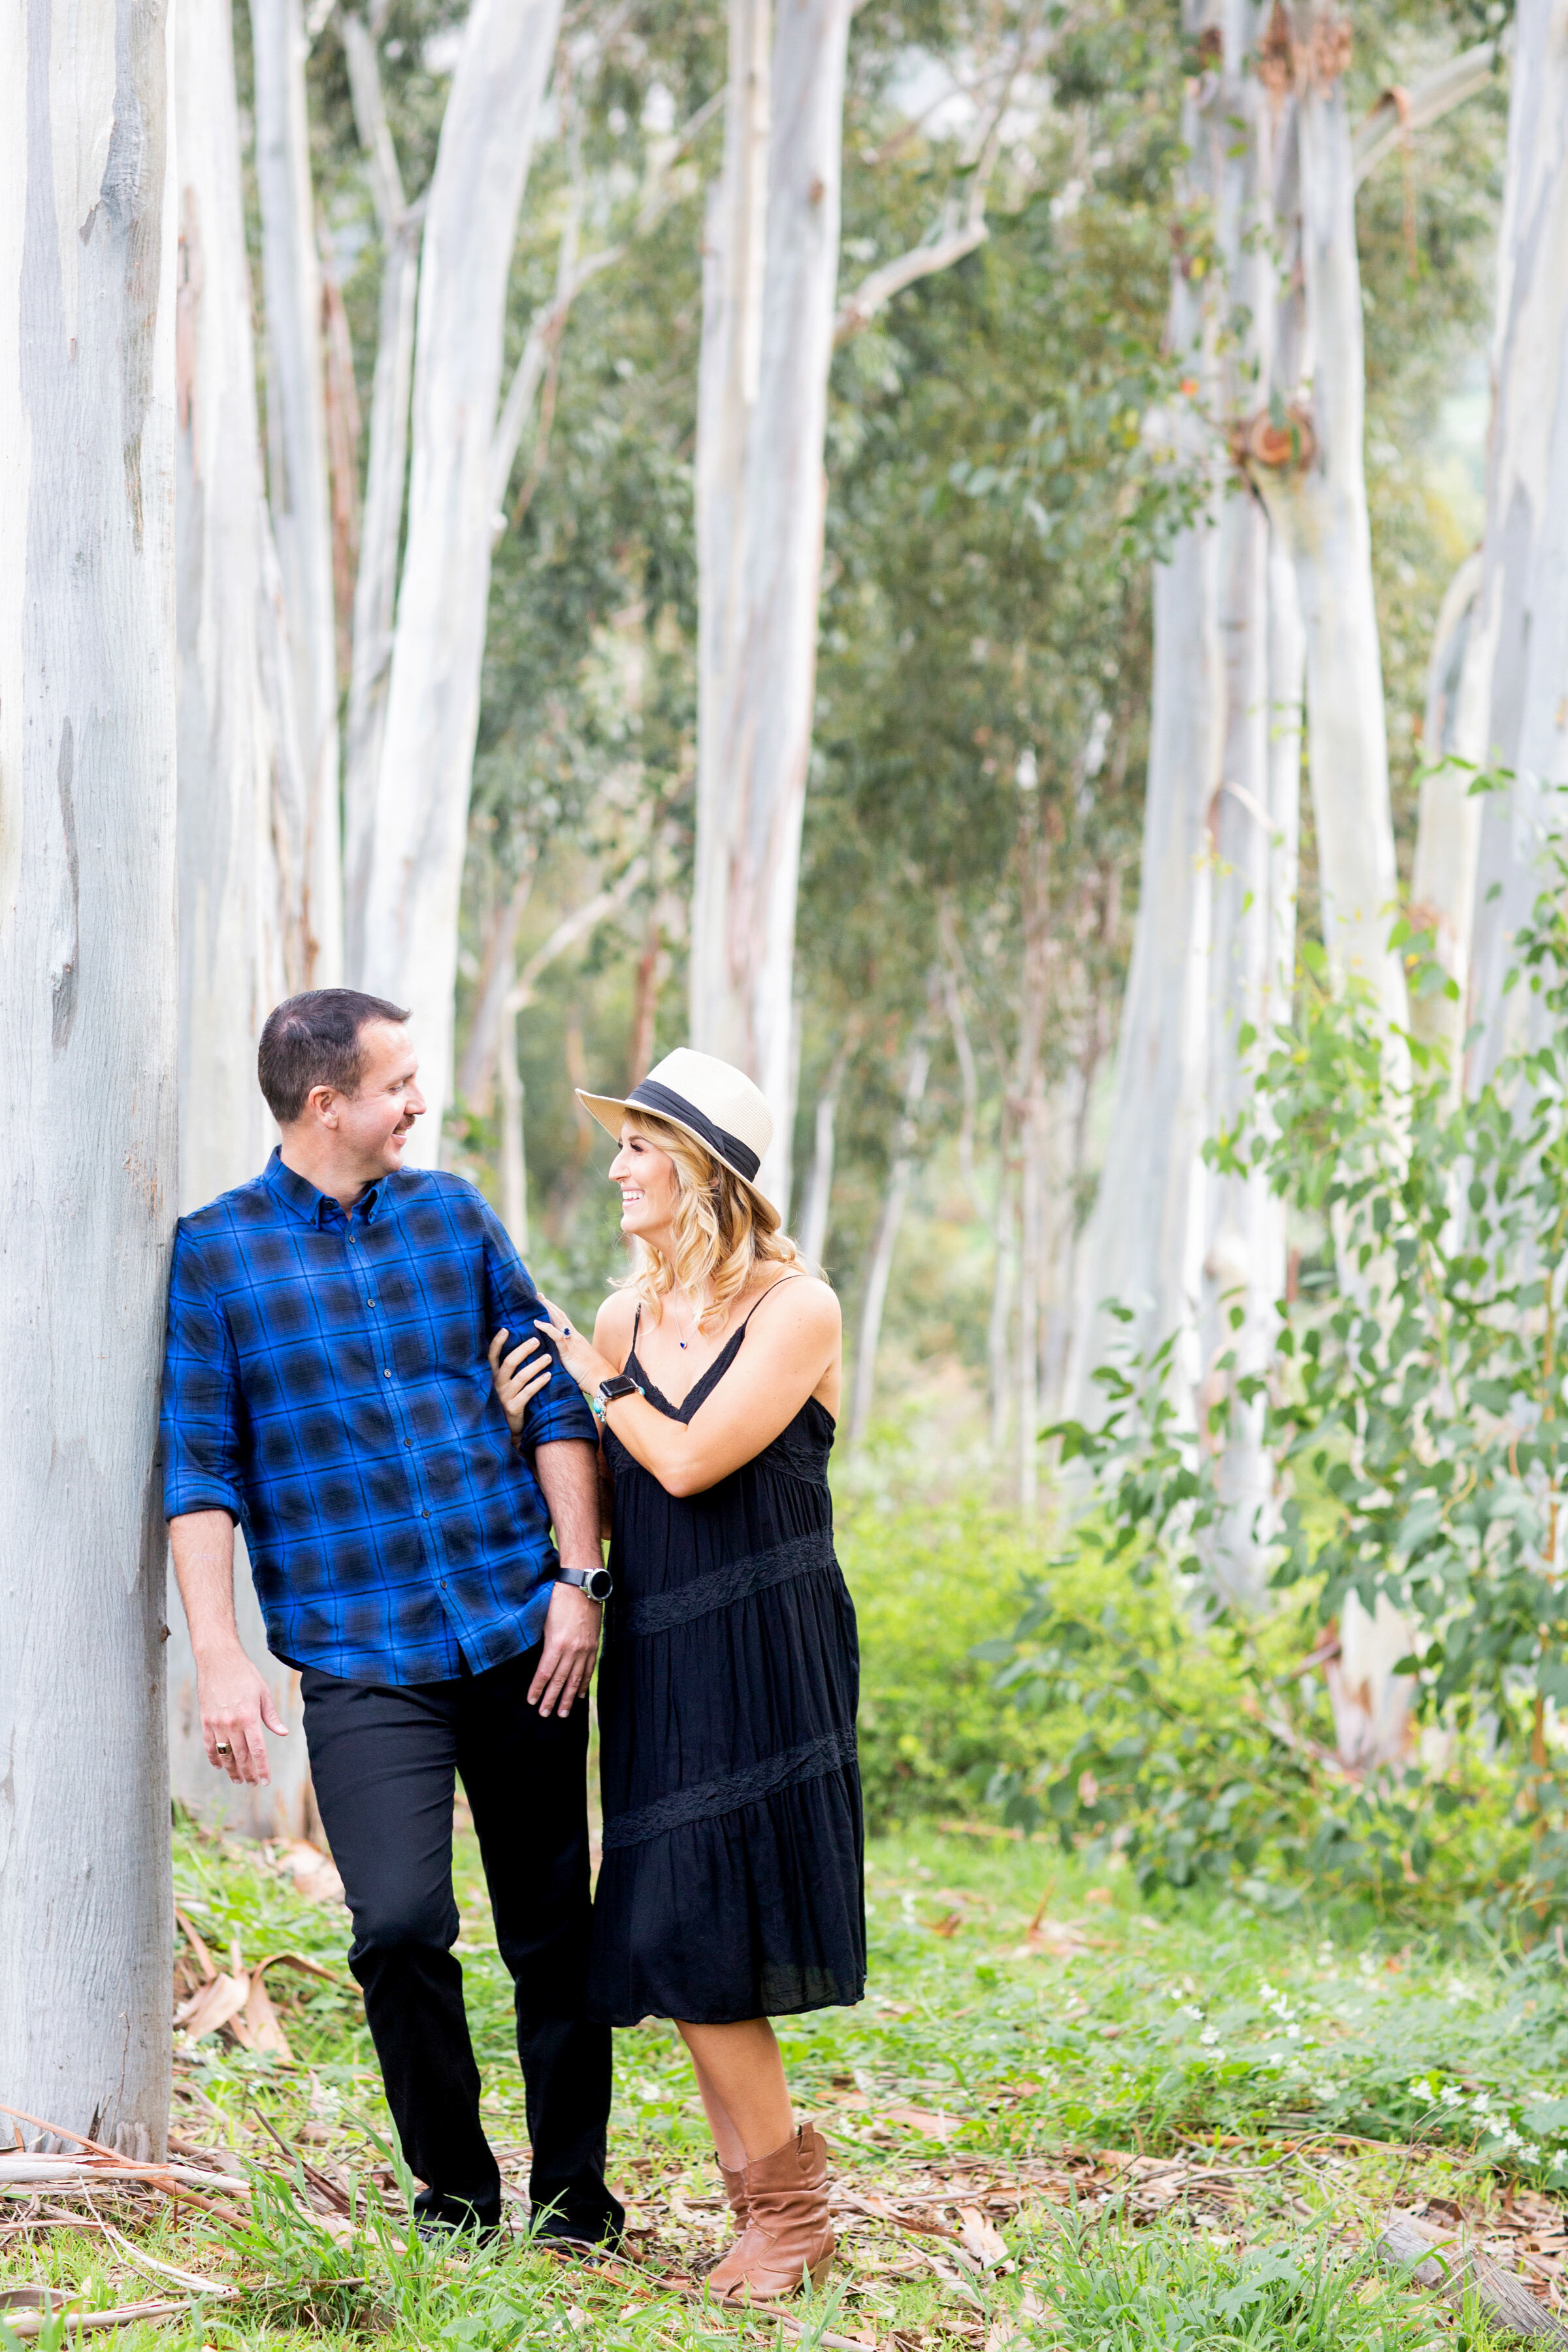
(201, 1409)
(559, 1409)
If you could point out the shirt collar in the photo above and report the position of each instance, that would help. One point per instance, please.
(306, 1201)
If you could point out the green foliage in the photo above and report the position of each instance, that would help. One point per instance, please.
(1424, 1400)
(1415, 1412)
(1195, 1751)
(928, 1586)
(1111, 2290)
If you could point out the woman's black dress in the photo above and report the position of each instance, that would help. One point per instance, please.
(732, 1883)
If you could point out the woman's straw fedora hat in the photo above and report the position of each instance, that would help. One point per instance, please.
(715, 1103)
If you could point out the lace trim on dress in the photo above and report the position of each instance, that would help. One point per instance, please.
(736, 1580)
(813, 1761)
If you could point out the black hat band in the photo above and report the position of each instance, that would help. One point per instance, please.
(651, 1096)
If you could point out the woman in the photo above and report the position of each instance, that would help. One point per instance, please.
(732, 1883)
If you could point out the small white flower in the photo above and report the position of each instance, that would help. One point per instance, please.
(1529, 2152)
(1419, 2086)
(1209, 2037)
(1450, 2095)
(1192, 2010)
(1293, 2033)
(1324, 2091)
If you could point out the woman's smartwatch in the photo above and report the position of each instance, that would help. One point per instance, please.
(597, 1582)
(619, 1384)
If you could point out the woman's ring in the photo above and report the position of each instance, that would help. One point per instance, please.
(222, 1748)
(566, 1330)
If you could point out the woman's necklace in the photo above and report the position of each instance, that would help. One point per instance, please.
(684, 1344)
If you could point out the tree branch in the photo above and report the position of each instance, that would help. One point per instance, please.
(960, 235)
(1400, 113)
(371, 123)
(572, 274)
(573, 928)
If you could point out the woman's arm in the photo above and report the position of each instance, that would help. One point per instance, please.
(758, 1397)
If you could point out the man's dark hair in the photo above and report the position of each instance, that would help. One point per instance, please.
(314, 1041)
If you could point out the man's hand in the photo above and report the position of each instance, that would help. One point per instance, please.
(571, 1646)
(236, 1703)
(234, 1700)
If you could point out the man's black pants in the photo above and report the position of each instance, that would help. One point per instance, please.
(384, 1761)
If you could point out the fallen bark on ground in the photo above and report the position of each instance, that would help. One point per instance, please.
(1452, 2266)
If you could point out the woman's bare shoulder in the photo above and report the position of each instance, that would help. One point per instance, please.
(813, 1302)
(613, 1325)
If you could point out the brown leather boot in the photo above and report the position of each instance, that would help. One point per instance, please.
(735, 2191)
(788, 2236)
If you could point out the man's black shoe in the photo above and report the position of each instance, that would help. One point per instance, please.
(461, 2235)
(562, 2239)
(450, 2221)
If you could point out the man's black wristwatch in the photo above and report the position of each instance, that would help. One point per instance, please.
(597, 1582)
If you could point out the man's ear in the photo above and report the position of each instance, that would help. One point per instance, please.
(323, 1103)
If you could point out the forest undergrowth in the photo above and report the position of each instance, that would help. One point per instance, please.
(1064, 2115)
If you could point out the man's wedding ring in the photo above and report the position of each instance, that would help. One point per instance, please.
(222, 1748)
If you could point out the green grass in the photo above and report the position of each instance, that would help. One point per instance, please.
(1185, 2122)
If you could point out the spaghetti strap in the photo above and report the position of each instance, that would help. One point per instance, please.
(768, 1294)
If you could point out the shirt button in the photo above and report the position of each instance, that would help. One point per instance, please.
(386, 1372)
(424, 1515)
(408, 1442)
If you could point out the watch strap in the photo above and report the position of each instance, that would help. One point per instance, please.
(595, 1582)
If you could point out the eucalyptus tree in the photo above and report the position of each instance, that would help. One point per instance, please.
(1508, 711)
(408, 929)
(88, 988)
(770, 319)
(240, 794)
(298, 480)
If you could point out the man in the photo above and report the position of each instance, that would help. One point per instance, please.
(326, 1385)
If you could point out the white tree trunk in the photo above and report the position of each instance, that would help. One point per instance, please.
(514, 1148)
(297, 440)
(1139, 1248)
(492, 991)
(734, 256)
(386, 476)
(1320, 508)
(812, 1235)
(1253, 831)
(1511, 712)
(1313, 478)
(420, 826)
(749, 822)
(230, 908)
(878, 1271)
(1449, 832)
(89, 1012)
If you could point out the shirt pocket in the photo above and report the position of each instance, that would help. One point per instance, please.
(436, 1327)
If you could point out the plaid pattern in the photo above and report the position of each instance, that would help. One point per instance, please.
(325, 1383)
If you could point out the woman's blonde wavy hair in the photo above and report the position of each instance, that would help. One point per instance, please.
(723, 1231)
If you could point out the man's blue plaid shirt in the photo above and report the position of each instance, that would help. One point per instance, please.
(325, 1383)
